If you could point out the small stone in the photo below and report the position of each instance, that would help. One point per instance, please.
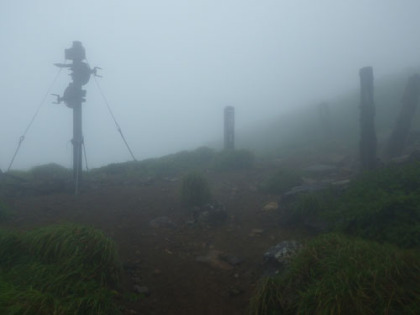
(235, 292)
(271, 206)
(231, 259)
(162, 222)
(141, 290)
(213, 259)
(136, 280)
(256, 232)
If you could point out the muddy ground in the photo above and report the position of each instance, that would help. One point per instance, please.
(189, 268)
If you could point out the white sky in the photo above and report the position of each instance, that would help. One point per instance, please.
(170, 67)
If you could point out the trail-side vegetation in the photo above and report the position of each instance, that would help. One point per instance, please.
(370, 264)
(381, 205)
(337, 274)
(59, 269)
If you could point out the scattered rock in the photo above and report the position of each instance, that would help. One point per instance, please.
(211, 214)
(143, 290)
(162, 222)
(234, 291)
(136, 280)
(231, 259)
(321, 169)
(271, 206)
(256, 232)
(171, 179)
(131, 266)
(147, 181)
(213, 259)
(303, 189)
(279, 256)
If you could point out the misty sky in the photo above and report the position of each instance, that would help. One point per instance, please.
(171, 66)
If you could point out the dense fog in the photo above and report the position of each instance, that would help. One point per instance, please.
(170, 67)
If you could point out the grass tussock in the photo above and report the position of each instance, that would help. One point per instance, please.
(62, 269)
(335, 274)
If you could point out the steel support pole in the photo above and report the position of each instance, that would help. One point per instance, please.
(77, 146)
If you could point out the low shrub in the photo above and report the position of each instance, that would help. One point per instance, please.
(335, 274)
(50, 171)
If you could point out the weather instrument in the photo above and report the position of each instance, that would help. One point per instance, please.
(73, 97)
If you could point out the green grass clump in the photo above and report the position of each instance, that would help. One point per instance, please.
(229, 160)
(382, 205)
(195, 190)
(60, 269)
(335, 274)
(281, 181)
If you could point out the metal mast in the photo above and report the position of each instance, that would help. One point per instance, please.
(73, 97)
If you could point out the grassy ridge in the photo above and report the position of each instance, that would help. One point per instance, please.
(179, 163)
(61, 269)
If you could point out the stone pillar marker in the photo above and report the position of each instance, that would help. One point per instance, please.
(229, 128)
(368, 140)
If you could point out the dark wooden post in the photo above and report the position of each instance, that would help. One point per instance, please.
(229, 127)
(398, 138)
(367, 125)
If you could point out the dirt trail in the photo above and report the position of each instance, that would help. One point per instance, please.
(180, 266)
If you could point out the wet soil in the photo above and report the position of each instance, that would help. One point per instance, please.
(183, 266)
